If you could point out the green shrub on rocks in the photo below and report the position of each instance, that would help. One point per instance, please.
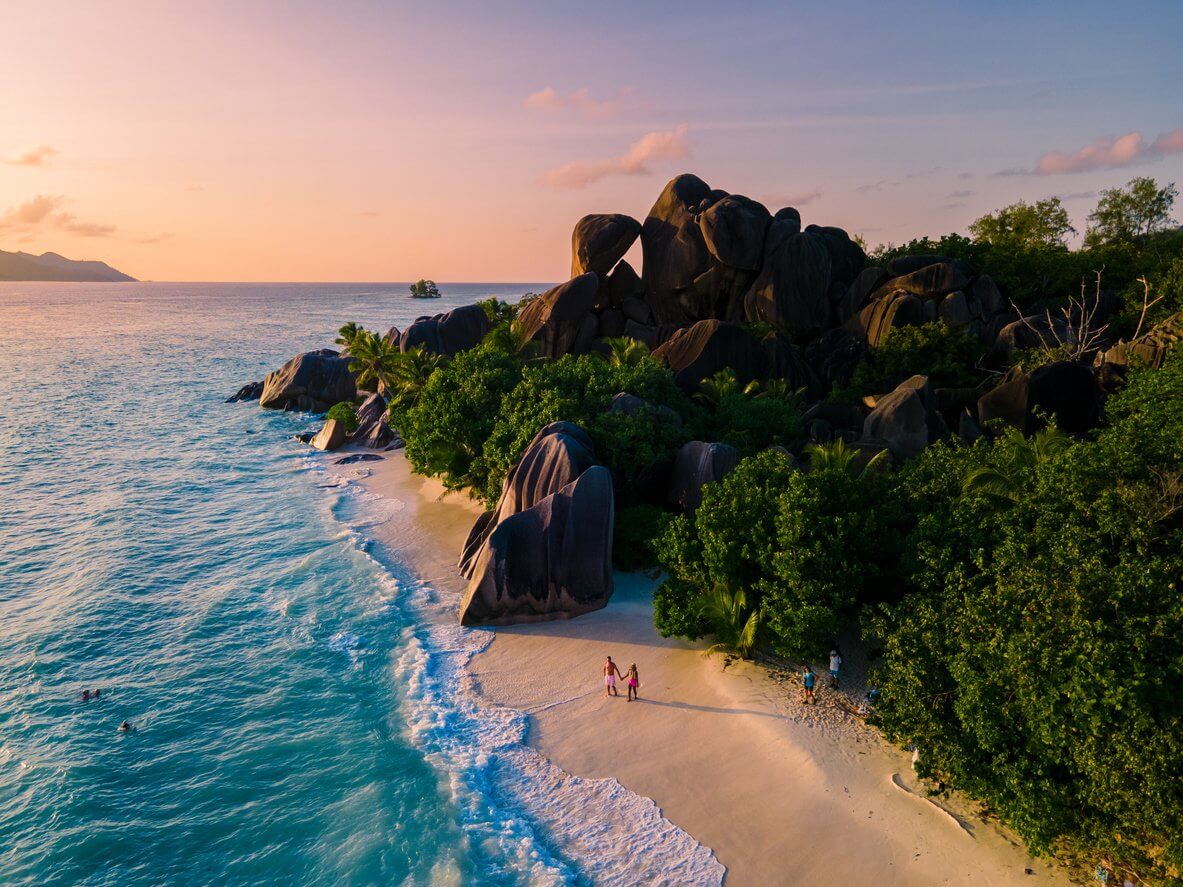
(345, 413)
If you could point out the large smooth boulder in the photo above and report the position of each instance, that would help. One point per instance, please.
(546, 552)
(1066, 390)
(834, 356)
(622, 285)
(312, 381)
(932, 281)
(448, 334)
(885, 313)
(784, 360)
(846, 257)
(792, 291)
(557, 455)
(734, 229)
(562, 319)
(599, 241)
(673, 247)
(699, 351)
(900, 420)
(697, 465)
(331, 436)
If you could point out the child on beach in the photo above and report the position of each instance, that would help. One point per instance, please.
(808, 678)
(633, 682)
(835, 665)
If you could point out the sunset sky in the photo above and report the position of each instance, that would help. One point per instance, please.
(370, 141)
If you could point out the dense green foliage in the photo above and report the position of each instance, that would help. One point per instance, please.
(947, 355)
(806, 549)
(1131, 213)
(345, 413)
(1040, 225)
(446, 424)
(750, 418)
(580, 390)
(1036, 664)
(635, 529)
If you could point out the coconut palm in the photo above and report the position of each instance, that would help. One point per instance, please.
(735, 627)
(411, 371)
(712, 391)
(838, 456)
(1005, 483)
(625, 351)
(347, 334)
(374, 360)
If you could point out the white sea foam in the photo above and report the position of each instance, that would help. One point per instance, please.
(542, 823)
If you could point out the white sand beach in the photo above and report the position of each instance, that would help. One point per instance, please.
(782, 794)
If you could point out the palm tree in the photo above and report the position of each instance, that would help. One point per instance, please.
(411, 371)
(712, 391)
(1005, 483)
(374, 360)
(347, 334)
(837, 456)
(625, 351)
(735, 627)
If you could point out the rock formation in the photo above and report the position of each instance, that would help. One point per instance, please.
(331, 436)
(697, 465)
(600, 241)
(546, 552)
(1068, 391)
(447, 334)
(372, 430)
(561, 320)
(312, 381)
(250, 391)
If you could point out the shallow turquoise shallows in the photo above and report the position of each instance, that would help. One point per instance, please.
(180, 554)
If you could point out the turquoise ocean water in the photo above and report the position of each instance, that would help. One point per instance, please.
(298, 718)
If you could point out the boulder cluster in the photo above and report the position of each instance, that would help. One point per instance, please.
(726, 284)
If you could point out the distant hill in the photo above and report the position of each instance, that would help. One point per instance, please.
(51, 266)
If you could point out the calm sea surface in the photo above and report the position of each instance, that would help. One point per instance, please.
(300, 716)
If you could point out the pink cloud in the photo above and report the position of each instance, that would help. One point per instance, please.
(39, 156)
(45, 211)
(669, 145)
(550, 100)
(1110, 153)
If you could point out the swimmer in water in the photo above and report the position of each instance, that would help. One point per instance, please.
(86, 696)
(125, 727)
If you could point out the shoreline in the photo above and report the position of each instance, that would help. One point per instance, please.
(779, 792)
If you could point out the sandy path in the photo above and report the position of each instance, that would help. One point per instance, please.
(782, 794)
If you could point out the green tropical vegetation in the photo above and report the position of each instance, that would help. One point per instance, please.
(1021, 593)
(345, 413)
(424, 289)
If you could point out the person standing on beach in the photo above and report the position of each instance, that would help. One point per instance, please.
(808, 679)
(835, 666)
(634, 682)
(611, 673)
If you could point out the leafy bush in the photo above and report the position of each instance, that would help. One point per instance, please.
(637, 527)
(344, 412)
(1038, 662)
(806, 549)
(446, 426)
(580, 389)
(948, 356)
(751, 418)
